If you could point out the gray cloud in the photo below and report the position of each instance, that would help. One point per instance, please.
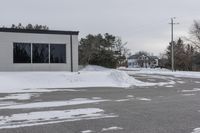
(142, 23)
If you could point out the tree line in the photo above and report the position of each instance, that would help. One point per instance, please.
(28, 26)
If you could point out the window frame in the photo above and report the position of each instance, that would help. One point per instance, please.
(49, 53)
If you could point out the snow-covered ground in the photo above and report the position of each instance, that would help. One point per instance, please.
(159, 71)
(50, 117)
(90, 76)
(22, 96)
(196, 130)
(35, 105)
(111, 128)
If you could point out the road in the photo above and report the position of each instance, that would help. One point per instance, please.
(167, 108)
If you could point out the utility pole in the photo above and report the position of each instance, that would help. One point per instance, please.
(172, 42)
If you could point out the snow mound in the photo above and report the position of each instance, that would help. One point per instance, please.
(123, 79)
(144, 69)
(94, 68)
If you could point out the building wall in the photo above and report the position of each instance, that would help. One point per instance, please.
(75, 52)
(6, 51)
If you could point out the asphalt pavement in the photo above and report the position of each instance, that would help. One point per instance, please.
(169, 108)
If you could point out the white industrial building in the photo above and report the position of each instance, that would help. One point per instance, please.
(38, 50)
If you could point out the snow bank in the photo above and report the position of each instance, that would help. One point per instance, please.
(90, 76)
(186, 74)
(95, 68)
(123, 79)
(144, 69)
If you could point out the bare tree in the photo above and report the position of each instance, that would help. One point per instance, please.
(195, 34)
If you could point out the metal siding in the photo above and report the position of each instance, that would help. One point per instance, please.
(6, 51)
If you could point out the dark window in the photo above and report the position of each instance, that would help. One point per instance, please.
(58, 53)
(40, 53)
(22, 53)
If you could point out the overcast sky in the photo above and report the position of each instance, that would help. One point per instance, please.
(141, 23)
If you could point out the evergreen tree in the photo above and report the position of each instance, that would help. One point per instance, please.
(183, 55)
(105, 50)
(30, 27)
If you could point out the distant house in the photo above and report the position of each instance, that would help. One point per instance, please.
(142, 61)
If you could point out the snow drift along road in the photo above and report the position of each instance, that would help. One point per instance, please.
(91, 76)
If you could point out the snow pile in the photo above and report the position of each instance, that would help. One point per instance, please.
(95, 68)
(91, 76)
(123, 79)
(143, 69)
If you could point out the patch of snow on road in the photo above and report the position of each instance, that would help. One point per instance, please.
(87, 131)
(6, 103)
(188, 94)
(77, 101)
(111, 129)
(129, 96)
(165, 83)
(21, 96)
(196, 130)
(50, 117)
(181, 82)
(36, 90)
(143, 99)
(169, 86)
(153, 80)
(159, 77)
(197, 82)
(122, 100)
(193, 90)
(96, 98)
